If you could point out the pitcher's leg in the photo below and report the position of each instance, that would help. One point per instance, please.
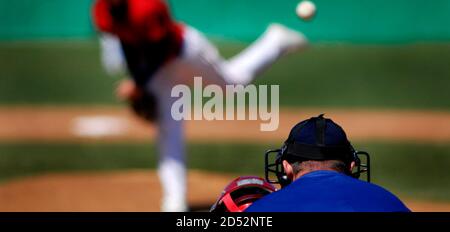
(277, 41)
(171, 145)
(172, 162)
(244, 67)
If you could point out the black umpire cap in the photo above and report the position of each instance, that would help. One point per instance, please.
(318, 138)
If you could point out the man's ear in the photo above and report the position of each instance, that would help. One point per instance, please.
(352, 165)
(288, 169)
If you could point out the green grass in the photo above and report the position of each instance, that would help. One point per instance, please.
(402, 76)
(53, 73)
(411, 170)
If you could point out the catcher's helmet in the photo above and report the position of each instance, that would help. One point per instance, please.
(317, 138)
(241, 193)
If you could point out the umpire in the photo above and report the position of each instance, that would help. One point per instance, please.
(318, 170)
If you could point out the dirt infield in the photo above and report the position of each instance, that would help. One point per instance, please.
(118, 124)
(125, 192)
(135, 191)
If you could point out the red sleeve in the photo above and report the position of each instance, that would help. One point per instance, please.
(101, 17)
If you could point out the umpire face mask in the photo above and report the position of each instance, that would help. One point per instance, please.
(317, 139)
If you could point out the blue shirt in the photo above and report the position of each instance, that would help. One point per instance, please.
(328, 191)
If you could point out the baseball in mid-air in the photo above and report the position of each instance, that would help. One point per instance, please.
(306, 10)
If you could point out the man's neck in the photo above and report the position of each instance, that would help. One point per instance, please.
(305, 172)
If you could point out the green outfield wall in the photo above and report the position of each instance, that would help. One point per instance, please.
(360, 21)
(29, 19)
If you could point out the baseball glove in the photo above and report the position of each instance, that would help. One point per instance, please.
(145, 106)
(141, 102)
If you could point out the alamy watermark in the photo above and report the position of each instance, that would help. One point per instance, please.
(227, 103)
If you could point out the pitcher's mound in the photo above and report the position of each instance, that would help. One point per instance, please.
(130, 191)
